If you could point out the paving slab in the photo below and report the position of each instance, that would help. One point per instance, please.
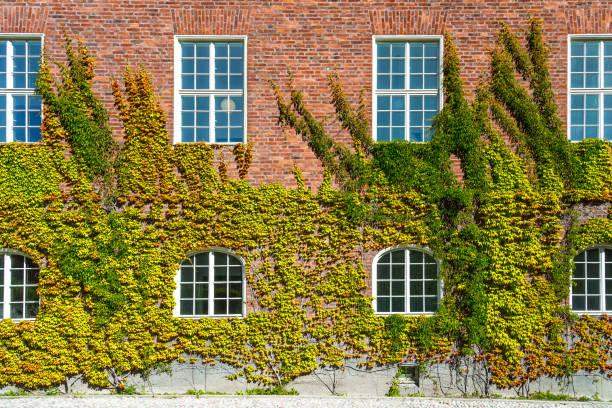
(103, 401)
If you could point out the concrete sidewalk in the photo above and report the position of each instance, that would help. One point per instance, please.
(277, 402)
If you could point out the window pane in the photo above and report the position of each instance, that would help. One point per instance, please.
(431, 287)
(578, 303)
(390, 118)
(235, 307)
(201, 307)
(194, 118)
(391, 63)
(397, 288)
(397, 304)
(383, 288)
(220, 307)
(383, 304)
(229, 119)
(593, 303)
(235, 290)
(201, 291)
(416, 304)
(579, 287)
(17, 310)
(431, 304)
(186, 307)
(422, 110)
(186, 290)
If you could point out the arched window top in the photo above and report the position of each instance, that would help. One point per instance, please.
(210, 283)
(406, 280)
(18, 286)
(591, 288)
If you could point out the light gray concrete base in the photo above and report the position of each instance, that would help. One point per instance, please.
(351, 381)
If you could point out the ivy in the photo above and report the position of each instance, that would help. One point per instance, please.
(109, 226)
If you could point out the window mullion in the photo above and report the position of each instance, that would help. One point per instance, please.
(600, 65)
(211, 98)
(9, 96)
(602, 278)
(211, 282)
(600, 82)
(407, 92)
(7, 286)
(9, 64)
(406, 280)
(407, 124)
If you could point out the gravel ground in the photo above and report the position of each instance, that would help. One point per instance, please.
(277, 402)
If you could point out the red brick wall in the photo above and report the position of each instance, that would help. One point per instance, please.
(311, 38)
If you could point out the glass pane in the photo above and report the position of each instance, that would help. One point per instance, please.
(201, 291)
(16, 276)
(578, 303)
(201, 307)
(30, 293)
(17, 310)
(416, 288)
(431, 287)
(235, 273)
(186, 307)
(431, 304)
(220, 273)
(592, 287)
(593, 255)
(186, 291)
(220, 307)
(397, 304)
(17, 294)
(383, 304)
(397, 271)
(592, 270)
(235, 290)
(579, 287)
(383, 271)
(201, 273)
(31, 310)
(383, 288)
(397, 288)
(416, 304)
(593, 303)
(220, 290)
(235, 307)
(186, 274)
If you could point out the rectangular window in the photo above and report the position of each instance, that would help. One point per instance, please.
(20, 107)
(590, 89)
(18, 287)
(210, 90)
(407, 87)
(591, 290)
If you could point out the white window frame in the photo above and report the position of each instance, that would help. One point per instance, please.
(6, 300)
(602, 283)
(404, 92)
(211, 283)
(178, 92)
(407, 250)
(9, 91)
(600, 90)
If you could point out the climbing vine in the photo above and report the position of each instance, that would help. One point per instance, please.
(109, 226)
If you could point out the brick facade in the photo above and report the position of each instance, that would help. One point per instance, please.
(311, 38)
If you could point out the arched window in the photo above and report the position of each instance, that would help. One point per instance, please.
(405, 281)
(591, 290)
(210, 284)
(18, 286)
